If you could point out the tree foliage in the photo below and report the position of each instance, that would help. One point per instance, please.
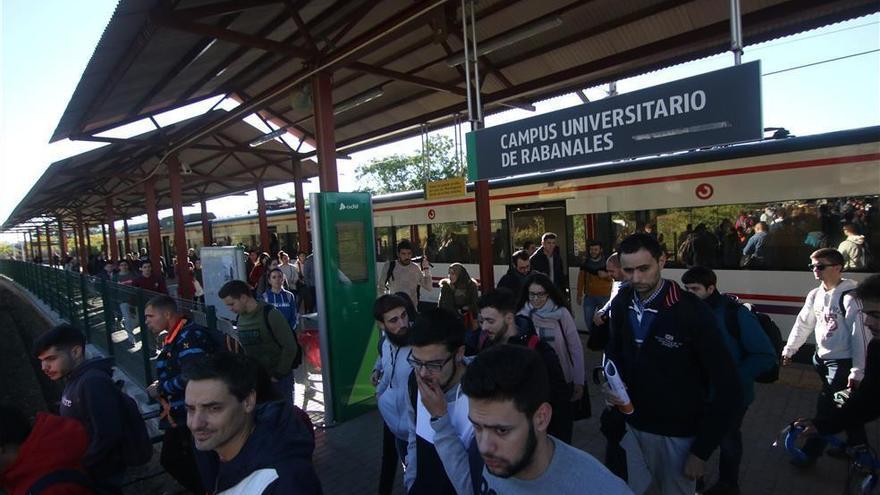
(409, 172)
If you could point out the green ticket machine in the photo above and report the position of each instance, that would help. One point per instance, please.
(345, 282)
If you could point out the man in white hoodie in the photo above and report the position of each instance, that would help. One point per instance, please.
(832, 314)
(853, 249)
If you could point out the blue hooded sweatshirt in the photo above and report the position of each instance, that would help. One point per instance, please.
(275, 460)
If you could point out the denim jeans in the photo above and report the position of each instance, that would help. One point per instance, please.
(591, 304)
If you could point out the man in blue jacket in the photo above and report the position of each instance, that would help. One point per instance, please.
(245, 447)
(679, 375)
(753, 355)
(184, 343)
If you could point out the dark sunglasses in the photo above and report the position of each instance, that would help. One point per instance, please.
(820, 266)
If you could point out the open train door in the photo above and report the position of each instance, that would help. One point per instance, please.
(528, 222)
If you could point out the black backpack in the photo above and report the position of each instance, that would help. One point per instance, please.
(267, 308)
(136, 447)
(770, 329)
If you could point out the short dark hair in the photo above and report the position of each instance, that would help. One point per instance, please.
(594, 242)
(700, 275)
(544, 281)
(163, 303)
(521, 255)
(270, 272)
(548, 235)
(404, 244)
(14, 425)
(501, 299)
(634, 242)
(146, 262)
(437, 326)
(234, 289)
(508, 372)
(237, 371)
(385, 303)
(869, 289)
(527, 244)
(829, 254)
(63, 336)
(851, 227)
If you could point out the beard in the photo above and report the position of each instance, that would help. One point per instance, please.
(398, 339)
(526, 459)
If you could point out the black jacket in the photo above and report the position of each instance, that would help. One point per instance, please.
(682, 379)
(540, 263)
(91, 397)
(513, 281)
(275, 460)
(864, 404)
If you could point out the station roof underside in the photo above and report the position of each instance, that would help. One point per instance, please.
(220, 165)
(153, 58)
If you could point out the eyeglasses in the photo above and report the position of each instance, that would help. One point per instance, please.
(431, 366)
(820, 266)
(537, 295)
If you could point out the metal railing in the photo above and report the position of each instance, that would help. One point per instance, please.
(110, 315)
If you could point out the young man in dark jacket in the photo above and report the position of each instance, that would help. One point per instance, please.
(245, 447)
(753, 354)
(679, 375)
(547, 260)
(184, 344)
(516, 275)
(89, 396)
(499, 324)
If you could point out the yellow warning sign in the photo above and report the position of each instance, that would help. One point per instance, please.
(448, 188)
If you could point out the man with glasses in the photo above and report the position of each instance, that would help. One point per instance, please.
(516, 274)
(862, 406)
(441, 437)
(832, 314)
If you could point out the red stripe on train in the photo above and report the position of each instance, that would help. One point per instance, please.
(773, 167)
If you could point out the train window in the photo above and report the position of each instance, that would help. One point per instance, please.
(456, 242)
(411, 233)
(500, 243)
(384, 244)
(715, 236)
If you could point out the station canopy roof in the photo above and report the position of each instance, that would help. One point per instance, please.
(216, 166)
(398, 57)
(396, 67)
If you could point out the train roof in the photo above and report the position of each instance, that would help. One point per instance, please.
(729, 152)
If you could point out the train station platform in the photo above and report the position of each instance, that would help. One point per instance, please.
(347, 455)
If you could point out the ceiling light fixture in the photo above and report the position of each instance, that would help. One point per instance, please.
(507, 39)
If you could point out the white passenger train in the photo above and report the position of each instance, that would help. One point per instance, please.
(806, 188)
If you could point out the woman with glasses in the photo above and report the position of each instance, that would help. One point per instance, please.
(544, 304)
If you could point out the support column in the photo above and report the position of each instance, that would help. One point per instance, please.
(39, 244)
(62, 241)
(49, 243)
(24, 246)
(88, 242)
(261, 215)
(484, 237)
(111, 226)
(154, 232)
(184, 278)
(322, 91)
(302, 231)
(207, 235)
(104, 237)
(83, 253)
(126, 239)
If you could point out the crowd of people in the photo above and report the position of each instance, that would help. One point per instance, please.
(478, 394)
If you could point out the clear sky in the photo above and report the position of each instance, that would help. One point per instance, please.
(46, 45)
